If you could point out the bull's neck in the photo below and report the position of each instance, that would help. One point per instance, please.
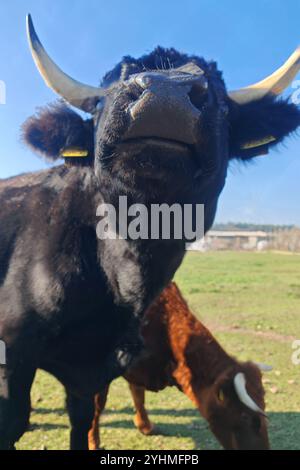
(137, 269)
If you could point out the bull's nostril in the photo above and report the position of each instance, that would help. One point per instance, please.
(136, 102)
(134, 92)
(198, 96)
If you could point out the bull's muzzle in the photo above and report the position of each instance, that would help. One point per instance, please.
(164, 109)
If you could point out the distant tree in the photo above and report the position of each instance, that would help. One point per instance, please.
(243, 226)
(287, 240)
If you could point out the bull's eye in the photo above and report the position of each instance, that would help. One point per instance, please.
(221, 396)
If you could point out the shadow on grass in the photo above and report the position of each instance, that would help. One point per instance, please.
(284, 428)
(127, 410)
(183, 413)
(46, 411)
(196, 430)
(46, 426)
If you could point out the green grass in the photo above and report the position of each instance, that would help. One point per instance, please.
(251, 302)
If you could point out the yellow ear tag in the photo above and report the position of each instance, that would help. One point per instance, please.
(258, 143)
(70, 152)
(221, 395)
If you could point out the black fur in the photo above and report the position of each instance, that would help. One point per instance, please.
(160, 58)
(259, 119)
(71, 303)
(56, 127)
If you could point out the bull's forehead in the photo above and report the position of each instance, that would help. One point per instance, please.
(160, 59)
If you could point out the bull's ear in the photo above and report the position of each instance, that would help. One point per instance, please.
(257, 126)
(58, 132)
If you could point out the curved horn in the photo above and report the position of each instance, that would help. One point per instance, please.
(240, 388)
(75, 93)
(274, 84)
(263, 367)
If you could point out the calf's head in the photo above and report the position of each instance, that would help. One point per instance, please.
(165, 109)
(234, 407)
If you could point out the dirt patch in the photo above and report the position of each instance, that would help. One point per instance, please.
(244, 331)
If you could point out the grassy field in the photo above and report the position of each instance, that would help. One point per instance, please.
(251, 301)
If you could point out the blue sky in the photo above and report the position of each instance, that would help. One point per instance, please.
(249, 40)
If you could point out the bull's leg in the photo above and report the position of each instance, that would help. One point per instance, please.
(81, 413)
(14, 403)
(100, 402)
(141, 419)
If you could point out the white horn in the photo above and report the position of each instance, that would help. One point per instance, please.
(263, 367)
(274, 84)
(75, 93)
(241, 391)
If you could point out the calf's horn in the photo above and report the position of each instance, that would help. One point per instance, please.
(239, 382)
(263, 367)
(75, 93)
(274, 84)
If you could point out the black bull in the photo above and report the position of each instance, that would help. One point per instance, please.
(70, 302)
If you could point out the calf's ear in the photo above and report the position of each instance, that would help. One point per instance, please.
(57, 132)
(257, 126)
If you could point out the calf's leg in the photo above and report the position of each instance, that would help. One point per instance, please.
(100, 402)
(141, 419)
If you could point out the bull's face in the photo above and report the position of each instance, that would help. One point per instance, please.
(176, 111)
(170, 106)
(174, 117)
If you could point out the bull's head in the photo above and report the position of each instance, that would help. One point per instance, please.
(165, 107)
(234, 407)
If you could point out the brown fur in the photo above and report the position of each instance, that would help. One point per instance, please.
(181, 351)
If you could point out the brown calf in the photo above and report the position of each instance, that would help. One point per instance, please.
(180, 351)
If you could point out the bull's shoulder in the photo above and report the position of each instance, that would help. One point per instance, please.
(46, 201)
(54, 180)
(46, 219)
(24, 180)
